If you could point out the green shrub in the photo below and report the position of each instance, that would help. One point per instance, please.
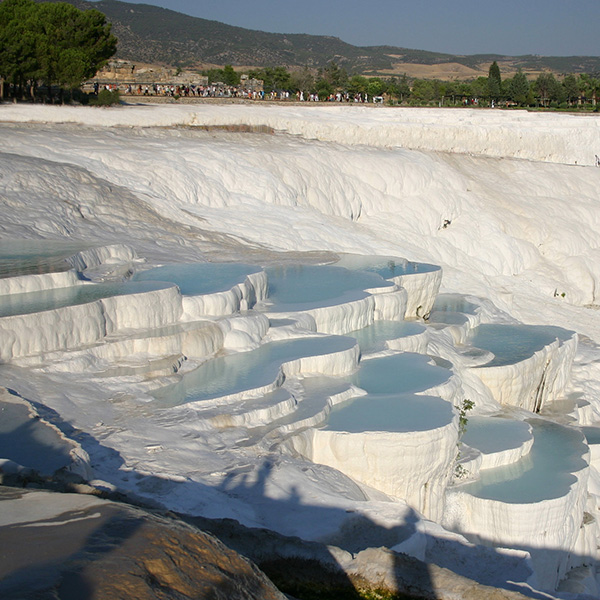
(106, 98)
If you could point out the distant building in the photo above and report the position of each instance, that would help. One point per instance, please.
(122, 73)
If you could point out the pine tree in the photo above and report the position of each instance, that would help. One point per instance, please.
(52, 41)
(519, 88)
(494, 82)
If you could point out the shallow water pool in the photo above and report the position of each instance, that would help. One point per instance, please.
(495, 434)
(32, 257)
(235, 373)
(302, 287)
(394, 413)
(385, 266)
(401, 373)
(511, 344)
(545, 473)
(32, 302)
(450, 309)
(374, 337)
(200, 278)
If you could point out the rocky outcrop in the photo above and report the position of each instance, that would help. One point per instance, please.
(78, 546)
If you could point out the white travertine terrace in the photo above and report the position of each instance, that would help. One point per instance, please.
(349, 316)
(38, 282)
(421, 290)
(242, 296)
(72, 326)
(533, 382)
(415, 466)
(350, 179)
(496, 447)
(409, 465)
(102, 255)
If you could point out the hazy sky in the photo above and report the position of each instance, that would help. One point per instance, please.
(513, 27)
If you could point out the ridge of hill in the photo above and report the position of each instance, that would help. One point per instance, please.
(150, 34)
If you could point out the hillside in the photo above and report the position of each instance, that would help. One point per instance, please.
(149, 34)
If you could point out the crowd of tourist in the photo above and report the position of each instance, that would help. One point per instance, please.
(223, 91)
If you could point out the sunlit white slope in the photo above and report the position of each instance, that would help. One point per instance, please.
(516, 231)
(550, 137)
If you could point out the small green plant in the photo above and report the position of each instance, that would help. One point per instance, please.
(465, 407)
(459, 471)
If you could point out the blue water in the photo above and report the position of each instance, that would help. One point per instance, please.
(405, 372)
(29, 257)
(32, 302)
(511, 344)
(243, 371)
(450, 309)
(302, 287)
(386, 266)
(374, 337)
(546, 472)
(454, 303)
(394, 412)
(200, 278)
(491, 434)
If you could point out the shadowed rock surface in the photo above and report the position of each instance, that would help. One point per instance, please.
(72, 546)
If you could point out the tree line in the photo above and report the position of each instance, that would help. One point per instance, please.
(546, 90)
(52, 44)
(55, 45)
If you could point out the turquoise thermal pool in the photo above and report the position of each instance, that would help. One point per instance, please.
(373, 338)
(511, 344)
(394, 413)
(495, 434)
(243, 371)
(405, 372)
(32, 302)
(450, 309)
(453, 303)
(195, 279)
(302, 287)
(546, 472)
(386, 266)
(31, 257)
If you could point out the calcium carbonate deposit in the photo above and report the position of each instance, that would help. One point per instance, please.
(372, 327)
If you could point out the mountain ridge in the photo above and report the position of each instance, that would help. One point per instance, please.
(156, 35)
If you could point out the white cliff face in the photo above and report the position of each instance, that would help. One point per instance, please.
(533, 382)
(538, 504)
(73, 326)
(182, 195)
(59, 329)
(413, 466)
(36, 283)
(142, 311)
(421, 289)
